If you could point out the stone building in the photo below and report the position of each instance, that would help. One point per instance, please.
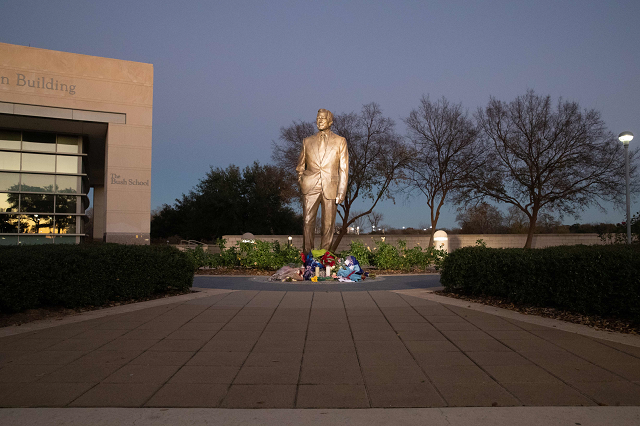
(75, 130)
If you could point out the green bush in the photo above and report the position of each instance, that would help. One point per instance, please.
(94, 274)
(361, 252)
(386, 256)
(258, 254)
(271, 256)
(602, 280)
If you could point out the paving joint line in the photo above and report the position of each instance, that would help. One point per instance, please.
(462, 351)
(203, 345)
(61, 366)
(528, 359)
(306, 336)
(411, 353)
(252, 347)
(364, 382)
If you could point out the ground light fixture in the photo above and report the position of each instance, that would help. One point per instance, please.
(625, 138)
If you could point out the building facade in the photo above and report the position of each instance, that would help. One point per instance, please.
(75, 130)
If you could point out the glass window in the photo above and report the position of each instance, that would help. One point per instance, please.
(66, 224)
(32, 240)
(68, 184)
(10, 160)
(8, 240)
(67, 164)
(9, 181)
(8, 202)
(36, 224)
(37, 183)
(66, 203)
(36, 141)
(36, 203)
(9, 223)
(9, 139)
(38, 162)
(68, 144)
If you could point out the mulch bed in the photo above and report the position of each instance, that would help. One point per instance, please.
(598, 322)
(59, 312)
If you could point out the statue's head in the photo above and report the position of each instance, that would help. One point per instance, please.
(324, 120)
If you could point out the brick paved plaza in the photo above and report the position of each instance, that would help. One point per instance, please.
(277, 349)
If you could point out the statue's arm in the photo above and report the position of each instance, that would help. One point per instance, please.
(344, 172)
(300, 168)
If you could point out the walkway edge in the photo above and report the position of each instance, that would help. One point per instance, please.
(584, 330)
(522, 416)
(100, 313)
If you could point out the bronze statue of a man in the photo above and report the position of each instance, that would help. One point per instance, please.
(323, 170)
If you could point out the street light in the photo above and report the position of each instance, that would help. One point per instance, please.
(625, 138)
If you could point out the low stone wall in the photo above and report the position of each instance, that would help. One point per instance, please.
(455, 240)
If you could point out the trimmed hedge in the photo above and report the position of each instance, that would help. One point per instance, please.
(602, 280)
(83, 275)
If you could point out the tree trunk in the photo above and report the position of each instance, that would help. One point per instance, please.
(336, 240)
(532, 228)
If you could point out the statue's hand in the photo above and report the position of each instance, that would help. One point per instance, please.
(338, 200)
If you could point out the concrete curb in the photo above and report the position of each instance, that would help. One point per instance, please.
(522, 416)
(100, 313)
(626, 339)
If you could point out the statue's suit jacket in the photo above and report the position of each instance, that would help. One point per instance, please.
(330, 170)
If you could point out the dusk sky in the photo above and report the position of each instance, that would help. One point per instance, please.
(228, 75)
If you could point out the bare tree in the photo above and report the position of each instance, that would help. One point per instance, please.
(481, 219)
(516, 221)
(538, 157)
(359, 221)
(375, 219)
(377, 156)
(445, 153)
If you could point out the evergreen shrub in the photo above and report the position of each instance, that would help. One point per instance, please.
(388, 256)
(89, 274)
(258, 255)
(602, 280)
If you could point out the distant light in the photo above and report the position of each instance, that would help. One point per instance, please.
(625, 137)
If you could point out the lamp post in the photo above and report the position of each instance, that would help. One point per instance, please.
(289, 241)
(625, 138)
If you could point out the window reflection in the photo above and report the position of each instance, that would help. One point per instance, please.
(9, 223)
(9, 139)
(9, 181)
(66, 224)
(66, 203)
(37, 183)
(36, 203)
(68, 184)
(38, 162)
(32, 204)
(36, 224)
(37, 141)
(67, 164)
(8, 202)
(10, 160)
(68, 144)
